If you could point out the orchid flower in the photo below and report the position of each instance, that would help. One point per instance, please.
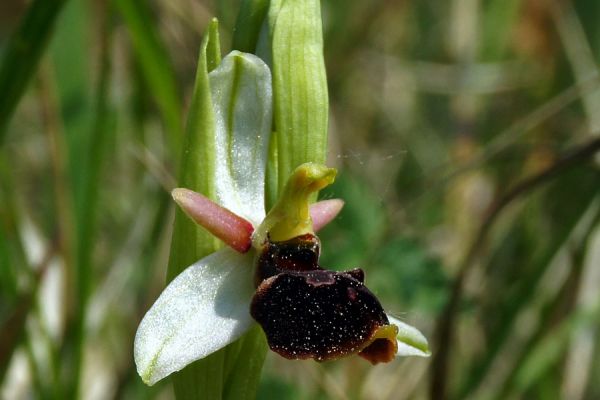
(269, 274)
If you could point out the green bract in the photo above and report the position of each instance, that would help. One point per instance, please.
(300, 98)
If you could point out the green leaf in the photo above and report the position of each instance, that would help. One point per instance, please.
(548, 351)
(197, 167)
(248, 25)
(244, 378)
(155, 66)
(557, 222)
(300, 100)
(498, 20)
(23, 53)
(213, 47)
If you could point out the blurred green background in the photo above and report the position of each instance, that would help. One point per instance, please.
(466, 136)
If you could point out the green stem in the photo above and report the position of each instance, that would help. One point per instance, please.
(87, 208)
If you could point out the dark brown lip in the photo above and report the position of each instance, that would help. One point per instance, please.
(310, 312)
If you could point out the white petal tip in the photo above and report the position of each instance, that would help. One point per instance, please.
(202, 310)
(411, 342)
(406, 350)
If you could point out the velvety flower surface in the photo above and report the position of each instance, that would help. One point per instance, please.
(323, 315)
(309, 312)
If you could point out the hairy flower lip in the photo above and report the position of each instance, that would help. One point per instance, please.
(307, 311)
(323, 315)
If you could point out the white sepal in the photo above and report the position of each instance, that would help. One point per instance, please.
(202, 310)
(411, 341)
(242, 101)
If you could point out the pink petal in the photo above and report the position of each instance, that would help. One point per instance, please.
(232, 229)
(323, 212)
